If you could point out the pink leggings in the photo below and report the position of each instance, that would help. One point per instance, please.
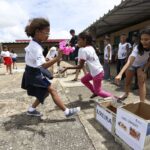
(96, 88)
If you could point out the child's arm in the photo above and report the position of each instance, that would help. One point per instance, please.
(81, 65)
(126, 66)
(53, 61)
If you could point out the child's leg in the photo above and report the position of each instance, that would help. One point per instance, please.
(142, 84)
(77, 75)
(68, 112)
(10, 69)
(7, 68)
(86, 81)
(36, 103)
(97, 80)
(16, 65)
(32, 109)
(56, 98)
(129, 76)
(13, 65)
(118, 66)
(135, 86)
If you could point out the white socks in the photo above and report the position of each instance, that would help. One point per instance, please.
(66, 112)
(31, 109)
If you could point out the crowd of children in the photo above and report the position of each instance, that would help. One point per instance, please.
(132, 60)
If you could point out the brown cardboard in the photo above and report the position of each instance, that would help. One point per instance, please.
(140, 109)
(109, 106)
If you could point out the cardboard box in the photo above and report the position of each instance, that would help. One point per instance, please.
(133, 125)
(105, 114)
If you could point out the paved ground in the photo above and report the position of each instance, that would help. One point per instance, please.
(53, 131)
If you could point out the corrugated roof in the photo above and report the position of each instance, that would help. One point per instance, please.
(129, 12)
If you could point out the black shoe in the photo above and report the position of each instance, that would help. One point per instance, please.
(94, 95)
(34, 113)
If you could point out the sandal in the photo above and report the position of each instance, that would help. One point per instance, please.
(74, 80)
(94, 95)
(123, 97)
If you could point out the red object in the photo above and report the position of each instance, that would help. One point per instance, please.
(7, 60)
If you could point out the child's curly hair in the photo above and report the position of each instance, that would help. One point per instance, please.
(36, 24)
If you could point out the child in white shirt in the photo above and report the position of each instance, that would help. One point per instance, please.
(138, 61)
(52, 53)
(6, 56)
(124, 50)
(96, 72)
(14, 59)
(36, 78)
(107, 58)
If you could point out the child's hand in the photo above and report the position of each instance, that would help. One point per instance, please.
(117, 79)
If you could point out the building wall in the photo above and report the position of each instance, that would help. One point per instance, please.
(133, 28)
(115, 35)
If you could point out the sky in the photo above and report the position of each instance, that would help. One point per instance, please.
(62, 14)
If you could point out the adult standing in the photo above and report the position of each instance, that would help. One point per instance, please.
(73, 43)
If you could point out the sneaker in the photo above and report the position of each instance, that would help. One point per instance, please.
(73, 111)
(34, 113)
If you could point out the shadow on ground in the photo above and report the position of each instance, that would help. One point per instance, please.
(83, 104)
(109, 142)
(23, 122)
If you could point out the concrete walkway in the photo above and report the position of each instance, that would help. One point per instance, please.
(53, 131)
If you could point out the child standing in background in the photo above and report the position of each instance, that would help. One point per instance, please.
(36, 78)
(6, 56)
(124, 50)
(52, 53)
(14, 59)
(107, 58)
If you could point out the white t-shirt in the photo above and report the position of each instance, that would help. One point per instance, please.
(89, 55)
(13, 55)
(106, 52)
(140, 60)
(51, 54)
(5, 54)
(34, 55)
(122, 51)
